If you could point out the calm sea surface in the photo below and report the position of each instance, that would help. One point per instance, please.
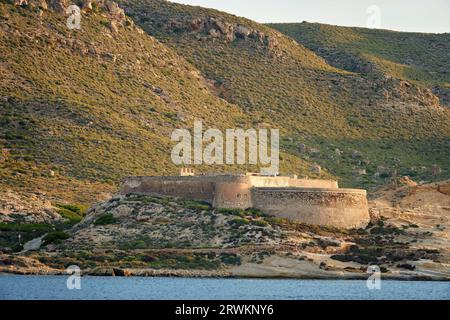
(55, 287)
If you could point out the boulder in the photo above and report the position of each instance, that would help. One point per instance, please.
(42, 4)
(87, 6)
(196, 24)
(242, 32)
(59, 6)
(260, 36)
(122, 211)
(444, 188)
(50, 173)
(20, 2)
(359, 172)
(113, 26)
(407, 181)
(114, 9)
(272, 43)
(121, 272)
(317, 169)
(214, 33)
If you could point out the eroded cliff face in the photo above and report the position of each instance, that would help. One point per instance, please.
(207, 28)
(211, 28)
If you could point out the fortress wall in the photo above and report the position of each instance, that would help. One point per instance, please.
(343, 208)
(312, 183)
(196, 189)
(266, 182)
(284, 182)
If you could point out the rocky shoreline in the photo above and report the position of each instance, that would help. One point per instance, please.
(152, 273)
(247, 271)
(147, 236)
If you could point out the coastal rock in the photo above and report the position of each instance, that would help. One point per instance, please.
(121, 272)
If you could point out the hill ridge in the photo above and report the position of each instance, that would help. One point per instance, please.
(82, 109)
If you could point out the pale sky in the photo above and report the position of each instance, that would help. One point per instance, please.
(400, 15)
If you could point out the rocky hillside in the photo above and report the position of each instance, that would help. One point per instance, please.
(414, 57)
(144, 235)
(81, 109)
(357, 126)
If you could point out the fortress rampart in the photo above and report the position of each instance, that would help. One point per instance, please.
(310, 201)
(342, 208)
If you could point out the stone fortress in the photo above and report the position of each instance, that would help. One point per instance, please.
(310, 201)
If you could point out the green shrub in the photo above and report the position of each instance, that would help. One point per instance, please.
(230, 258)
(239, 222)
(26, 227)
(232, 212)
(74, 213)
(274, 220)
(78, 209)
(260, 223)
(105, 220)
(55, 237)
(70, 215)
(386, 230)
(255, 212)
(196, 205)
(342, 257)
